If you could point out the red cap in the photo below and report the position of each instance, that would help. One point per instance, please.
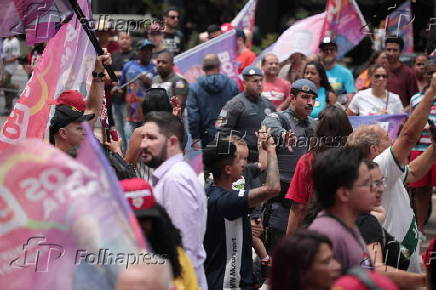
(71, 98)
(226, 27)
(139, 194)
(349, 282)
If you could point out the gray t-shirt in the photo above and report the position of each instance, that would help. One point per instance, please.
(349, 247)
(174, 84)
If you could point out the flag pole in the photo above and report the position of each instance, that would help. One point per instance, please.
(92, 37)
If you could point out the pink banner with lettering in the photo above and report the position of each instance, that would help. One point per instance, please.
(67, 63)
(63, 225)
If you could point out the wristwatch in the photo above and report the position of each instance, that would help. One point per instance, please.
(98, 74)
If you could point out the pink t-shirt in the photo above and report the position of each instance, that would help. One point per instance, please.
(276, 91)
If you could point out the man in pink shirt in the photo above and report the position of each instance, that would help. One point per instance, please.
(275, 89)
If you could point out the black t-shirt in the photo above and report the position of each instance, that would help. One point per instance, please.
(174, 42)
(373, 232)
(228, 240)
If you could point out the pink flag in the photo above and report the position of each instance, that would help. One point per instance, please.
(38, 19)
(345, 23)
(400, 23)
(245, 18)
(63, 225)
(302, 37)
(66, 64)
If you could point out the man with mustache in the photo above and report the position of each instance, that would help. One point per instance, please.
(294, 128)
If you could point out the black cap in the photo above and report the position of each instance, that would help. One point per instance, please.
(327, 41)
(63, 116)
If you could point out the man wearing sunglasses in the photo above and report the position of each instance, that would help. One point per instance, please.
(173, 38)
(340, 78)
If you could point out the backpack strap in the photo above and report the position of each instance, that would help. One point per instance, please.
(363, 277)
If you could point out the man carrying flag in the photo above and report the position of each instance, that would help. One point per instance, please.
(65, 131)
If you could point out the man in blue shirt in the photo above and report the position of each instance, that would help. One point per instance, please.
(340, 78)
(137, 75)
(228, 232)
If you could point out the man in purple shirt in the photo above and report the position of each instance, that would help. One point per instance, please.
(401, 78)
(175, 184)
(345, 190)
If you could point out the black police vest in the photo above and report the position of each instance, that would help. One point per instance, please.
(251, 118)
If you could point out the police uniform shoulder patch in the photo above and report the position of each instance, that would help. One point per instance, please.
(273, 115)
(267, 111)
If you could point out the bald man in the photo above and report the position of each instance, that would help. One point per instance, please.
(206, 98)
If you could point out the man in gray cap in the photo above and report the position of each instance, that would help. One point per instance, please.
(243, 115)
(293, 128)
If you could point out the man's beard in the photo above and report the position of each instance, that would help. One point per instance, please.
(156, 161)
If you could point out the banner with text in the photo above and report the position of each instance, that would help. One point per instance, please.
(66, 64)
(391, 123)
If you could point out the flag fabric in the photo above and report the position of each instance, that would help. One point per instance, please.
(66, 64)
(62, 223)
(189, 63)
(391, 123)
(245, 18)
(302, 37)
(345, 23)
(399, 23)
(38, 19)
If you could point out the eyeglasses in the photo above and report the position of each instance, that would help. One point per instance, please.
(380, 182)
(174, 16)
(380, 76)
(430, 73)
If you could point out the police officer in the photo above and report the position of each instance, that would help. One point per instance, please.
(294, 129)
(244, 114)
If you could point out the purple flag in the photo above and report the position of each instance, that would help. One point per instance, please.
(399, 23)
(245, 18)
(38, 19)
(63, 223)
(391, 123)
(189, 63)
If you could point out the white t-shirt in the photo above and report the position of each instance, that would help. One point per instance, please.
(400, 220)
(11, 48)
(364, 103)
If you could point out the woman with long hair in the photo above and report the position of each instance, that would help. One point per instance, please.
(376, 100)
(304, 261)
(363, 81)
(160, 232)
(315, 72)
(332, 130)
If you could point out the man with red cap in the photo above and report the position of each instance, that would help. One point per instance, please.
(65, 131)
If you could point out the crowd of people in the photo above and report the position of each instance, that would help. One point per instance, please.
(290, 194)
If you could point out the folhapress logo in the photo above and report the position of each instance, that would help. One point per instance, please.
(39, 254)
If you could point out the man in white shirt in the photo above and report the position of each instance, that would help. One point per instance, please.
(400, 220)
(11, 52)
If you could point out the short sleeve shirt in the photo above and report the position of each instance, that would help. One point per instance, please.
(136, 90)
(402, 81)
(341, 79)
(301, 188)
(364, 103)
(174, 84)
(425, 139)
(228, 240)
(276, 91)
(349, 247)
(400, 219)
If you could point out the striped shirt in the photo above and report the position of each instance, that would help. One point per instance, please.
(425, 139)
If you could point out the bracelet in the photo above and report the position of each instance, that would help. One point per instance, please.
(96, 74)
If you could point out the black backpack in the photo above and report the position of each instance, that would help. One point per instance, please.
(156, 99)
